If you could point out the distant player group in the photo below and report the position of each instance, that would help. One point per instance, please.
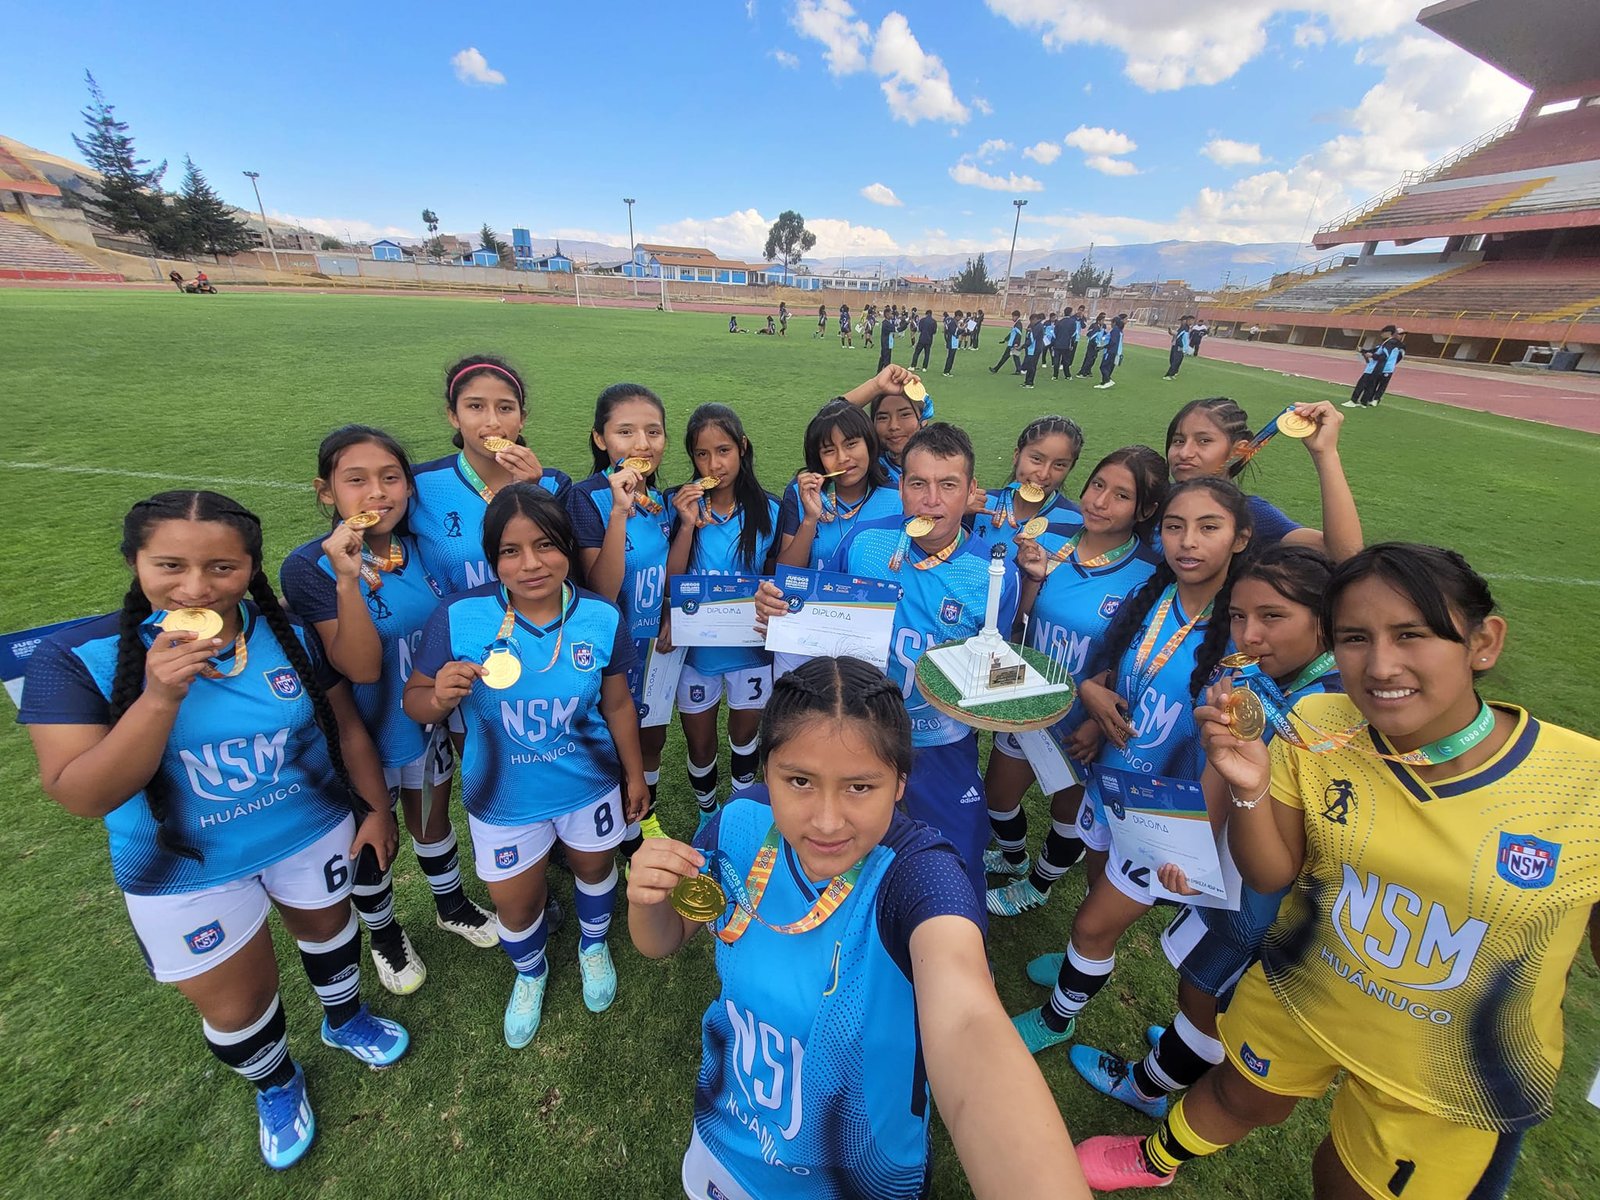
(1414, 868)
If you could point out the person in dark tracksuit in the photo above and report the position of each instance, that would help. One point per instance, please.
(1381, 361)
(1093, 340)
(927, 328)
(1111, 353)
(1035, 347)
(952, 340)
(1064, 329)
(1013, 339)
(1180, 347)
(1076, 324)
(1197, 333)
(886, 339)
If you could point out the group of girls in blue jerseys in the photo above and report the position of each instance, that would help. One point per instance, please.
(485, 609)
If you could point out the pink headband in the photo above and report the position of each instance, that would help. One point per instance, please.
(454, 379)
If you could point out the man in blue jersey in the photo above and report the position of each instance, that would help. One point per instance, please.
(944, 581)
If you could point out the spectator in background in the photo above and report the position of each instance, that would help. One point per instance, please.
(1111, 352)
(1012, 342)
(783, 319)
(952, 339)
(1381, 361)
(1035, 347)
(1255, 332)
(1197, 334)
(927, 328)
(1093, 342)
(1180, 347)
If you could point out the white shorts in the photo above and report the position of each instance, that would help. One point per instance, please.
(187, 933)
(704, 1178)
(746, 690)
(1006, 743)
(1092, 828)
(434, 765)
(505, 851)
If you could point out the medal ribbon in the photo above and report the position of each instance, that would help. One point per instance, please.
(472, 477)
(1065, 554)
(374, 568)
(506, 642)
(241, 655)
(932, 560)
(746, 893)
(1431, 755)
(707, 513)
(1259, 442)
(1140, 678)
(832, 506)
(645, 501)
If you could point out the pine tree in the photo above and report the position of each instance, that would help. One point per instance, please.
(128, 198)
(1086, 277)
(974, 278)
(212, 227)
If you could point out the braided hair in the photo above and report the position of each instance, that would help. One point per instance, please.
(1130, 618)
(128, 679)
(840, 689)
(1231, 421)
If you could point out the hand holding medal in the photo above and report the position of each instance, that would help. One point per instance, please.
(180, 651)
(342, 548)
(520, 462)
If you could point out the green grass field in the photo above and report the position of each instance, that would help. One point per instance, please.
(105, 1087)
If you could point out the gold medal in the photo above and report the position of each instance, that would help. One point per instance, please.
(1292, 424)
(362, 520)
(641, 465)
(1031, 492)
(708, 482)
(836, 474)
(501, 669)
(916, 391)
(496, 444)
(1247, 720)
(1033, 529)
(919, 527)
(699, 898)
(1236, 661)
(202, 622)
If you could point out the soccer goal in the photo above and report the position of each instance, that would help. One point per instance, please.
(620, 291)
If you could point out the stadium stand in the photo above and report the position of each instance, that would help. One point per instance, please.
(1515, 213)
(25, 253)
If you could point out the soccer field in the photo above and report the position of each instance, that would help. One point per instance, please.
(105, 1085)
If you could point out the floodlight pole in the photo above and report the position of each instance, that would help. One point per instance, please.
(1005, 296)
(252, 176)
(632, 267)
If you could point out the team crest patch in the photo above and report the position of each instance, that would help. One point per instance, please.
(1336, 799)
(949, 610)
(205, 939)
(505, 857)
(582, 655)
(285, 684)
(1109, 606)
(1256, 1064)
(1527, 861)
(697, 693)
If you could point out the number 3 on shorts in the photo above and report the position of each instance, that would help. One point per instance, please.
(604, 820)
(335, 873)
(755, 682)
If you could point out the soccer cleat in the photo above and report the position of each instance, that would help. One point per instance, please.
(288, 1125)
(472, 922)
(400, 968)
(700, 826)
(650, 827)
(1036, 1035)
(1152, 1034)
(1116, 1162)
(599, 977)
(1014, 899)
(1110, 1075)
(376, 1041)
(995, 862)
(1352, 404)
(524, 1009)
(1045, 969)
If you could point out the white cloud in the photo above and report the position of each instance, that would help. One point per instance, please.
(1310, 34)
(964, 172)
(472, 67)
(1226, 152)
(915, 82)
(880, 193)
(1043, 153)
(342, 227)
(1107, 165)
(833, 23)
(784, 59)
(983, 106)
(1092, 139)
(991, 148)
(743, 233)
(1171, 44)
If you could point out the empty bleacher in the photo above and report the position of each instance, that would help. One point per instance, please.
(1355, 286)
(1541, 142)
(1425, 205)
(25, 253)
(1552, 290)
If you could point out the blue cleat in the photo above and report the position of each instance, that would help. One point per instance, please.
(373, 1040)
(599, 977)
(287, 1123)
(1045, 969)
(1110, 1075)
(1036, 1035)
(1014, 899)
(524, 1009)
(995, 862)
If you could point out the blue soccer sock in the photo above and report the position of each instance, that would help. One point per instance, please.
(595, 903)
(525, 947)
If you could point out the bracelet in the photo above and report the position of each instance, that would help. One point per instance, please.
(1238, 803)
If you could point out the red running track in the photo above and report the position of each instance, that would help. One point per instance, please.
(1550, 398)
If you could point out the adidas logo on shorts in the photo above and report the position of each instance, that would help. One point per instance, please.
(971, 796)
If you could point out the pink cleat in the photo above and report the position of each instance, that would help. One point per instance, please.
(1111, 1164)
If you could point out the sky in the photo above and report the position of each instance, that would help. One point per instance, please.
(893, 128)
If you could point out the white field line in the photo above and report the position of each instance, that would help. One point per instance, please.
(161, 476)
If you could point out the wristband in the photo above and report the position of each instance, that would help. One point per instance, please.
(1238, 803)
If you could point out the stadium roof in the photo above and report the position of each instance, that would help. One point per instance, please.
(1540, 43)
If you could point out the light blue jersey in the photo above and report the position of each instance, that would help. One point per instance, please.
(1061, 512)
(245, 773)
(878, 503)
(399, 608)
(540, 748)
(811, 1078)
(716, 552)
(891, 468)
(446, 516)
(1074, 605)
(644, 559)
(941, 604)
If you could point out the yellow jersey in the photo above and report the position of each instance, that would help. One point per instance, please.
(1427, 940)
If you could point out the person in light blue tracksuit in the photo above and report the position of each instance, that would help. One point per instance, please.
(1180, 347)
(1381, 361)
(1111, 351)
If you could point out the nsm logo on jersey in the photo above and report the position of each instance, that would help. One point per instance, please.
(768, 1068)
(1527, 861)
(532, 723)
(228, 770)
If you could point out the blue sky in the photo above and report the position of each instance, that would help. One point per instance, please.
(892, 127)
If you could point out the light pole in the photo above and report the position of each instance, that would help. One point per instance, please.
(252, 176)
(1005, 298)
(628, 200)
